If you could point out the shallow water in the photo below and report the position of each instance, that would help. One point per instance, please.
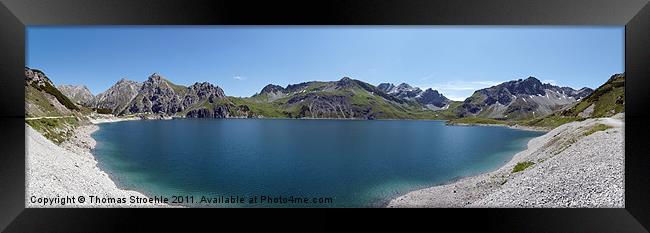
(356, 163)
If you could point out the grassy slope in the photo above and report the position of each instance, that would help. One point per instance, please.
(178, 89)
(265, 109)
(35, 93)
(550, 121)
(450, 112)
(56, 130)
(37, 98)
(361, 99)
(604, 99)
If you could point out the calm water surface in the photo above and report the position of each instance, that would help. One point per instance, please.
(356, 163)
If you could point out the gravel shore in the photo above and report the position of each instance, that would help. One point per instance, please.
(105, 118)
(569, 170)
(70, 170)
(519, 127)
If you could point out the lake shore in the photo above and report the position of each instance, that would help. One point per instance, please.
(572, 167)
(70, 170)
(518, 127)
(109, 118)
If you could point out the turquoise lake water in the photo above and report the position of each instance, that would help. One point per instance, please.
(356, 163)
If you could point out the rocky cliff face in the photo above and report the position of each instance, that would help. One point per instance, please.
(79, 94)
(204, 100)
(520, 99)
(118, 96)
(221, 109)
(36, 77)
(200, 92)
(326, 106)
(209, 112)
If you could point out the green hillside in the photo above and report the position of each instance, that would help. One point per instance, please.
(606, 101)
(341, 99)
(49, 111)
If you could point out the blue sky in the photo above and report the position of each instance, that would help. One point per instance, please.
(456, 60)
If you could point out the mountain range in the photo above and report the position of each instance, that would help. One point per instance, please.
(430, 98)
(346, 98)
(519, 99)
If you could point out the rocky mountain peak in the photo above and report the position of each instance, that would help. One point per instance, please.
(205, 87)
(155, 78)
(405, 90)
(74, 87)
(118, 96)
(528, 86)
(432, 99)
(78, 93)
(271, 88)
(615, 77)
(200, 85)
(157, 95)
(386, 87)
(36, 77)
(430, 91)
(297, 87)
(532, 79)
(404, 86)
(520, 98)
(123, 80)
(582, 93)
(199, 92)
(345, 82)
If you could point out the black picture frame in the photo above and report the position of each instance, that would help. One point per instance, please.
(16, 14)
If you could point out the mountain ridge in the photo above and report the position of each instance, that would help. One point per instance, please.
(80, 94)
(518, 99)
(345, 98)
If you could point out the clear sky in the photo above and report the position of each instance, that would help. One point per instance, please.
(456, 60)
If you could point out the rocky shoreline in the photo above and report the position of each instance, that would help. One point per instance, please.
(572, 167)
(56, 173)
